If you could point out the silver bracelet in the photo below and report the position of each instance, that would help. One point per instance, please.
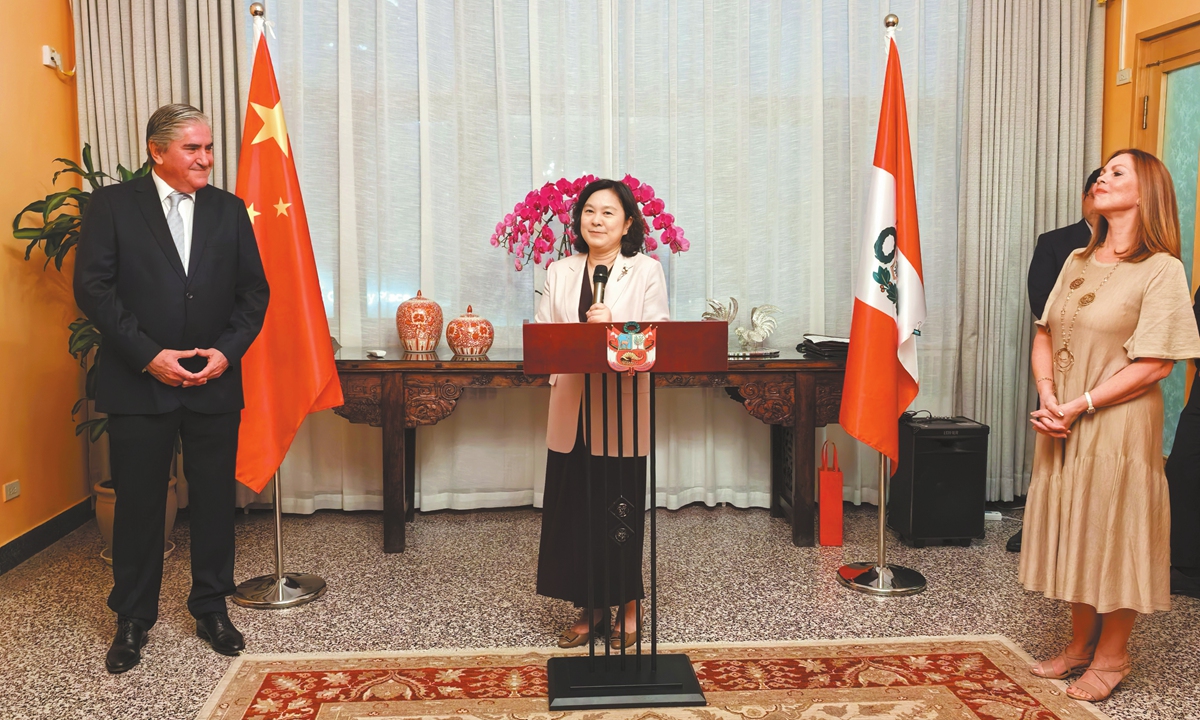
(1091, 409)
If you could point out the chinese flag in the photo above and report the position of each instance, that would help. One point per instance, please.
(889, 291)
(288, 372)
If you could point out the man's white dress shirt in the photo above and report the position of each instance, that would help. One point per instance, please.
(187, 208)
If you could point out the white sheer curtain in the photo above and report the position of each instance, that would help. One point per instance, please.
(418, 124)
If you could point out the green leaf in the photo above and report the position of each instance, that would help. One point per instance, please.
(33, 207)
(72, 167)
(83, 339)
(95, 427)
(59, 223)
(87, 157)
(61, 256)
(28, 234)
(78, 404)
(89, 385)
(53, 202)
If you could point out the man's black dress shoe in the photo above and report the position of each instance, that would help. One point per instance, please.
(1184, 584)
(126, 648)
(1014, 542)
(218, 631)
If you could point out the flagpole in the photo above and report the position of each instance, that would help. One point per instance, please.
(879, 578)
(279, 589)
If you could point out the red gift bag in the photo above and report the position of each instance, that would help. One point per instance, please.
(830, 478)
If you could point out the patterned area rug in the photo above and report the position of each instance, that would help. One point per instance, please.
(965, 678)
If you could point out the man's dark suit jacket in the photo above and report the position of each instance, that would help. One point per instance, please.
(1051, 253)
(130, 282)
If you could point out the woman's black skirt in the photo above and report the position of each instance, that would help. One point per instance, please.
(618, 520)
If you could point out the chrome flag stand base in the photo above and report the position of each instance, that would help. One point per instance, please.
(270, 592)
(879, 578)
(279, 590)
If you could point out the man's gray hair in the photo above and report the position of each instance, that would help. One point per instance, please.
(167, 123)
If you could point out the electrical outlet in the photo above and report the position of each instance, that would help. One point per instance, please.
(12, 490)
(51, 58)
(992, 515)
(1124, 76)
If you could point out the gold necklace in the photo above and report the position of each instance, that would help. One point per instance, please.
(1064, 358)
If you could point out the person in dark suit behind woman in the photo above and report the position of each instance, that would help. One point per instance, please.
(168, 269)
(1183, 482)
(1052, 250)
(609, 231)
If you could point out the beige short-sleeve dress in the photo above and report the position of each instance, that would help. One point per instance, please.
(1097, 516)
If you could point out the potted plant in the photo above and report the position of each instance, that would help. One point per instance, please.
(528, 235)
(52, 224)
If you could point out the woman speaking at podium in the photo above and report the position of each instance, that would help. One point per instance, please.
(609, 233)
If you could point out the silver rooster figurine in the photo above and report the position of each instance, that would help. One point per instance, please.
(717, 311)
(762, 324)
(761, 327)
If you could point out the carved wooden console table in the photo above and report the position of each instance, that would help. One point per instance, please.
(792, 393)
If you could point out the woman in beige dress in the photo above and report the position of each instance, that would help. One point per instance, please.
(1097, 518)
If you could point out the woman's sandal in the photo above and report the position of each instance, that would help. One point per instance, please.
(1092, 687)
(568, 638)
(1060, 666)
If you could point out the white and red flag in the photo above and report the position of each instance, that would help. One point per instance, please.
(289, 371)
(889, 292)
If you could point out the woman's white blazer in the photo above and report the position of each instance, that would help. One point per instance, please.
(636, 290)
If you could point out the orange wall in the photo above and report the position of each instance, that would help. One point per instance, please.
(39, 381)
(1140, 16)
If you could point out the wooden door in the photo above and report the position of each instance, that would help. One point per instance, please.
(1166, 122)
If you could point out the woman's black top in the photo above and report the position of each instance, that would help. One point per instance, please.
(585, 297)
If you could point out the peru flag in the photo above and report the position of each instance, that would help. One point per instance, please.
(289, 371)
(889, 293)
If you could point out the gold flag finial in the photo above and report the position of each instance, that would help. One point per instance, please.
(891, 21)
(257, 9)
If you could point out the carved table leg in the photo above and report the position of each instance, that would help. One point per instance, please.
(781, 438)
(804, 432)
(394, 462)
(410, 473)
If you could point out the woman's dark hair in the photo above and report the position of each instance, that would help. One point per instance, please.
(632, 243)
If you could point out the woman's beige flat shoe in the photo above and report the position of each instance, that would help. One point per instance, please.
(616, 641)
(569, 638)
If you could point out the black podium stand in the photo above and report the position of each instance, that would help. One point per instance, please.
(619, 679)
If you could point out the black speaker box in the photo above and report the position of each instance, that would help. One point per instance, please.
(938, 493)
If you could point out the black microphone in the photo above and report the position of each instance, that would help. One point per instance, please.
(599, 280)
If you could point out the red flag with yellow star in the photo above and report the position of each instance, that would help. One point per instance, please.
(288, 372)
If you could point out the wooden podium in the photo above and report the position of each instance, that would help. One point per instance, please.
(618, 680)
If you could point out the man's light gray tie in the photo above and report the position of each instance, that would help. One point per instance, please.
(175, 222)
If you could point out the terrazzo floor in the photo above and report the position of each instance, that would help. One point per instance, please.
(467, 580)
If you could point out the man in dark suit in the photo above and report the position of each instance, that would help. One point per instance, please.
(1183, 482)
(1049, 255)
(168, 269)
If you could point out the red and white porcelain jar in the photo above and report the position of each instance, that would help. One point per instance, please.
(419, 322)
(470, 334)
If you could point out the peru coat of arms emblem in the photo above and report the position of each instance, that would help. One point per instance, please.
(631, 349)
